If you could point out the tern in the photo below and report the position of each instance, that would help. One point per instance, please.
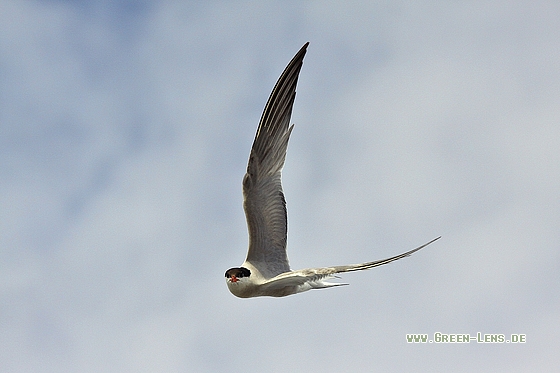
(266, 271)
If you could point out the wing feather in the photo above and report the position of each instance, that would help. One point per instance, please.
(264, 202)
(315, 276)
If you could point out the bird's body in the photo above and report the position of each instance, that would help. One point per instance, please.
(266, 270)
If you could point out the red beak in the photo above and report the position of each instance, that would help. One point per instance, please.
(233, 278)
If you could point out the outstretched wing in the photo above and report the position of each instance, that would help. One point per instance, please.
(314, 276)
(264, 203)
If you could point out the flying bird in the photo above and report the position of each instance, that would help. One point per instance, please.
(266, 271)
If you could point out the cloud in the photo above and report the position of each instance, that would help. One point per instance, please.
(125, 134)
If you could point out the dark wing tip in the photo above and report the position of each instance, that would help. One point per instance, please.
(286, 84)
(273, 131)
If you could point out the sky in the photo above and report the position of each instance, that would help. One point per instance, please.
(125, 129)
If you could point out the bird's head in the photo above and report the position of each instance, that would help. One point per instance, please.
(234, 275)
(238, 282)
